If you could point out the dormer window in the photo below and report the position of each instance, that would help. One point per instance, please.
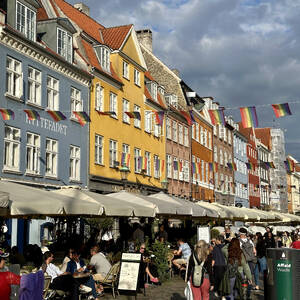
(103, 54)
(172, 100)
(152, 87)
(161, 90)
(26, 21)
(64, 44)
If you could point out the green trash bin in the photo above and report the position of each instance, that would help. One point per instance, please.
(283, 275)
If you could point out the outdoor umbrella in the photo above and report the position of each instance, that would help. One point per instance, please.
(112, 206)
(253, 229)
(4, 197)
(214, 211)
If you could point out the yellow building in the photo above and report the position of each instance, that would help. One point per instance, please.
(123, 135)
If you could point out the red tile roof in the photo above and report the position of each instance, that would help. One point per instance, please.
(86, 23)
(149, 97)
(264, 134)
(41, 14)
(161, 101)
(149, 76)
(115, 36)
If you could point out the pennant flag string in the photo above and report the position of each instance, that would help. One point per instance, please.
(281, 110)
(7, 114)
(82, 117)
(249, 117)
(56, 115)
(289, 165)
(217, 116)
(32, 114)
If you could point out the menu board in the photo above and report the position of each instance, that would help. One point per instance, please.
(203, 233)
(129, 272)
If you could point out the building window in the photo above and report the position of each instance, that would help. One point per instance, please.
(34, 86)
(157, 130)
(98, 149)
(136, 77)
(156, 165)
(186, 137)
(113, 107)
(169, 166)
(175, 168)
(137, 122)
(229, 137)
(186, 171)
(52, 93)
(216, 181)
(197, 134)
(221, 131)
(180, 134)
(99, 98)
(125, 70)
(215, 154)
(148, 163)
(193, 131)
(126, 118)
(206, 172)
(148, 121)
(76, 102)
(113, 153)
(14, 83)
(137, 164)
(126, 150)
(168, 128)
(215, 129)
(202, 171)
(205, 142)
(175, 136)
(12, 148)
(225, 134)
(74, 163)
(181, 169)
(209, 140)
(198, 175)
(51, 157)
(221, 157)
(225, 159)
(105, 60)
(64, 44)
(154, 90)
(26, 21)
(33, 153)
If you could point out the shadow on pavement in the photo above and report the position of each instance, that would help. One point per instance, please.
(177, 296)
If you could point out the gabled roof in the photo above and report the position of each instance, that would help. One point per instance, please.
(114, 36)
(264, 134)
(86, 23)
(149, 76)
(41, 14)
(149, 97)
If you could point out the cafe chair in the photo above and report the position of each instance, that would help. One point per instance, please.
(110, 280)
(170, 265)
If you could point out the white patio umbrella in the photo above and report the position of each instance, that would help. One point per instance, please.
(214, 211)
(253, 229)
(4, 199)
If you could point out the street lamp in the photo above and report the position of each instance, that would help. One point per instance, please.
(165, 184)
(124, 175)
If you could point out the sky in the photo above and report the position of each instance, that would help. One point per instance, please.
(241, 52)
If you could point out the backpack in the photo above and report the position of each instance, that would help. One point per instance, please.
(247, 249)
(197, 273)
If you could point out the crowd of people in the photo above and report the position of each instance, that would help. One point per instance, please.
(232, 264)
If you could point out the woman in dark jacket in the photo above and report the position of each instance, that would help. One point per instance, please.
(270, 240)
(261, 265)
(200, 255)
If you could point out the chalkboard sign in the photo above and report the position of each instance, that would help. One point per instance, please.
(203, 233)
(129, 272)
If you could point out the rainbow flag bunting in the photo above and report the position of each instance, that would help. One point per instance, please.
(249, 117)
(159, 117)
(32, 114)
(213, 167)
(162, 165)
(7, 114)
(140, 162)
(133, 114)
(56, 115)
(250, 166)
(193, 168)
(281, 110)
(125, 159)
(192, 117)
(157, 165)
(82, 117)
(145, 163)
(232, 166)
(180, 166)
(187, 117)
(217, 116)
(289, 165)
(106, 113)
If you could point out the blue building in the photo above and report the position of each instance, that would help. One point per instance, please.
(241, 198)
(40, 72)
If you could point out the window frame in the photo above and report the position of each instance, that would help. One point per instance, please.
(53, 153)
(14, 149)
(137, 122)
(65, 50)
(35, 85)
(76, 102)
(75, 159)
(33, 163)
(125, 69)
(113, 104)
(14, 78)
(99, 150)
(54, 93)
(137, 155)
(113, 152)
(99, 97)
(169, 161)
(30, 33)
(137, 77)
(126, 108)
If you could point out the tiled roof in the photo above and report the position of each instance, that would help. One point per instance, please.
(160, 101)
(149, 97)
(92, 57)
(264, 134)
(86, 23)
(41, 13)
(114, 36)
(149, 76)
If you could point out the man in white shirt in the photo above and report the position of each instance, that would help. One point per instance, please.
(100, 263)
(60, 280)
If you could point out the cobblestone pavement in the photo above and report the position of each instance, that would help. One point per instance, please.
(170, 290)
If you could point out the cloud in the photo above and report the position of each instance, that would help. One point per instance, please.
(241, 52)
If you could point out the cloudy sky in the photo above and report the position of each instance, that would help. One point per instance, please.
(241, 52)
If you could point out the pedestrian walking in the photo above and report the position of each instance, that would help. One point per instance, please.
(200, 272)
(261, 265)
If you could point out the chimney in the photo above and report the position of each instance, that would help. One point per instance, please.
(145, 38)
(83, 8)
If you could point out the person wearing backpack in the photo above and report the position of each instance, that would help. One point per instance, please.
(237, 269)
(200, 271)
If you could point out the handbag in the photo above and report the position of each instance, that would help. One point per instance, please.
(188, 293)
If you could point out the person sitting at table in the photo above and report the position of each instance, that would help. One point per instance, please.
(67, 258)
(6, 278)
(78, 269)
(146, 266)
(184, 251)
(62, 280)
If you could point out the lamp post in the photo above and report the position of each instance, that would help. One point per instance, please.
(165, 184)
(124, 175)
